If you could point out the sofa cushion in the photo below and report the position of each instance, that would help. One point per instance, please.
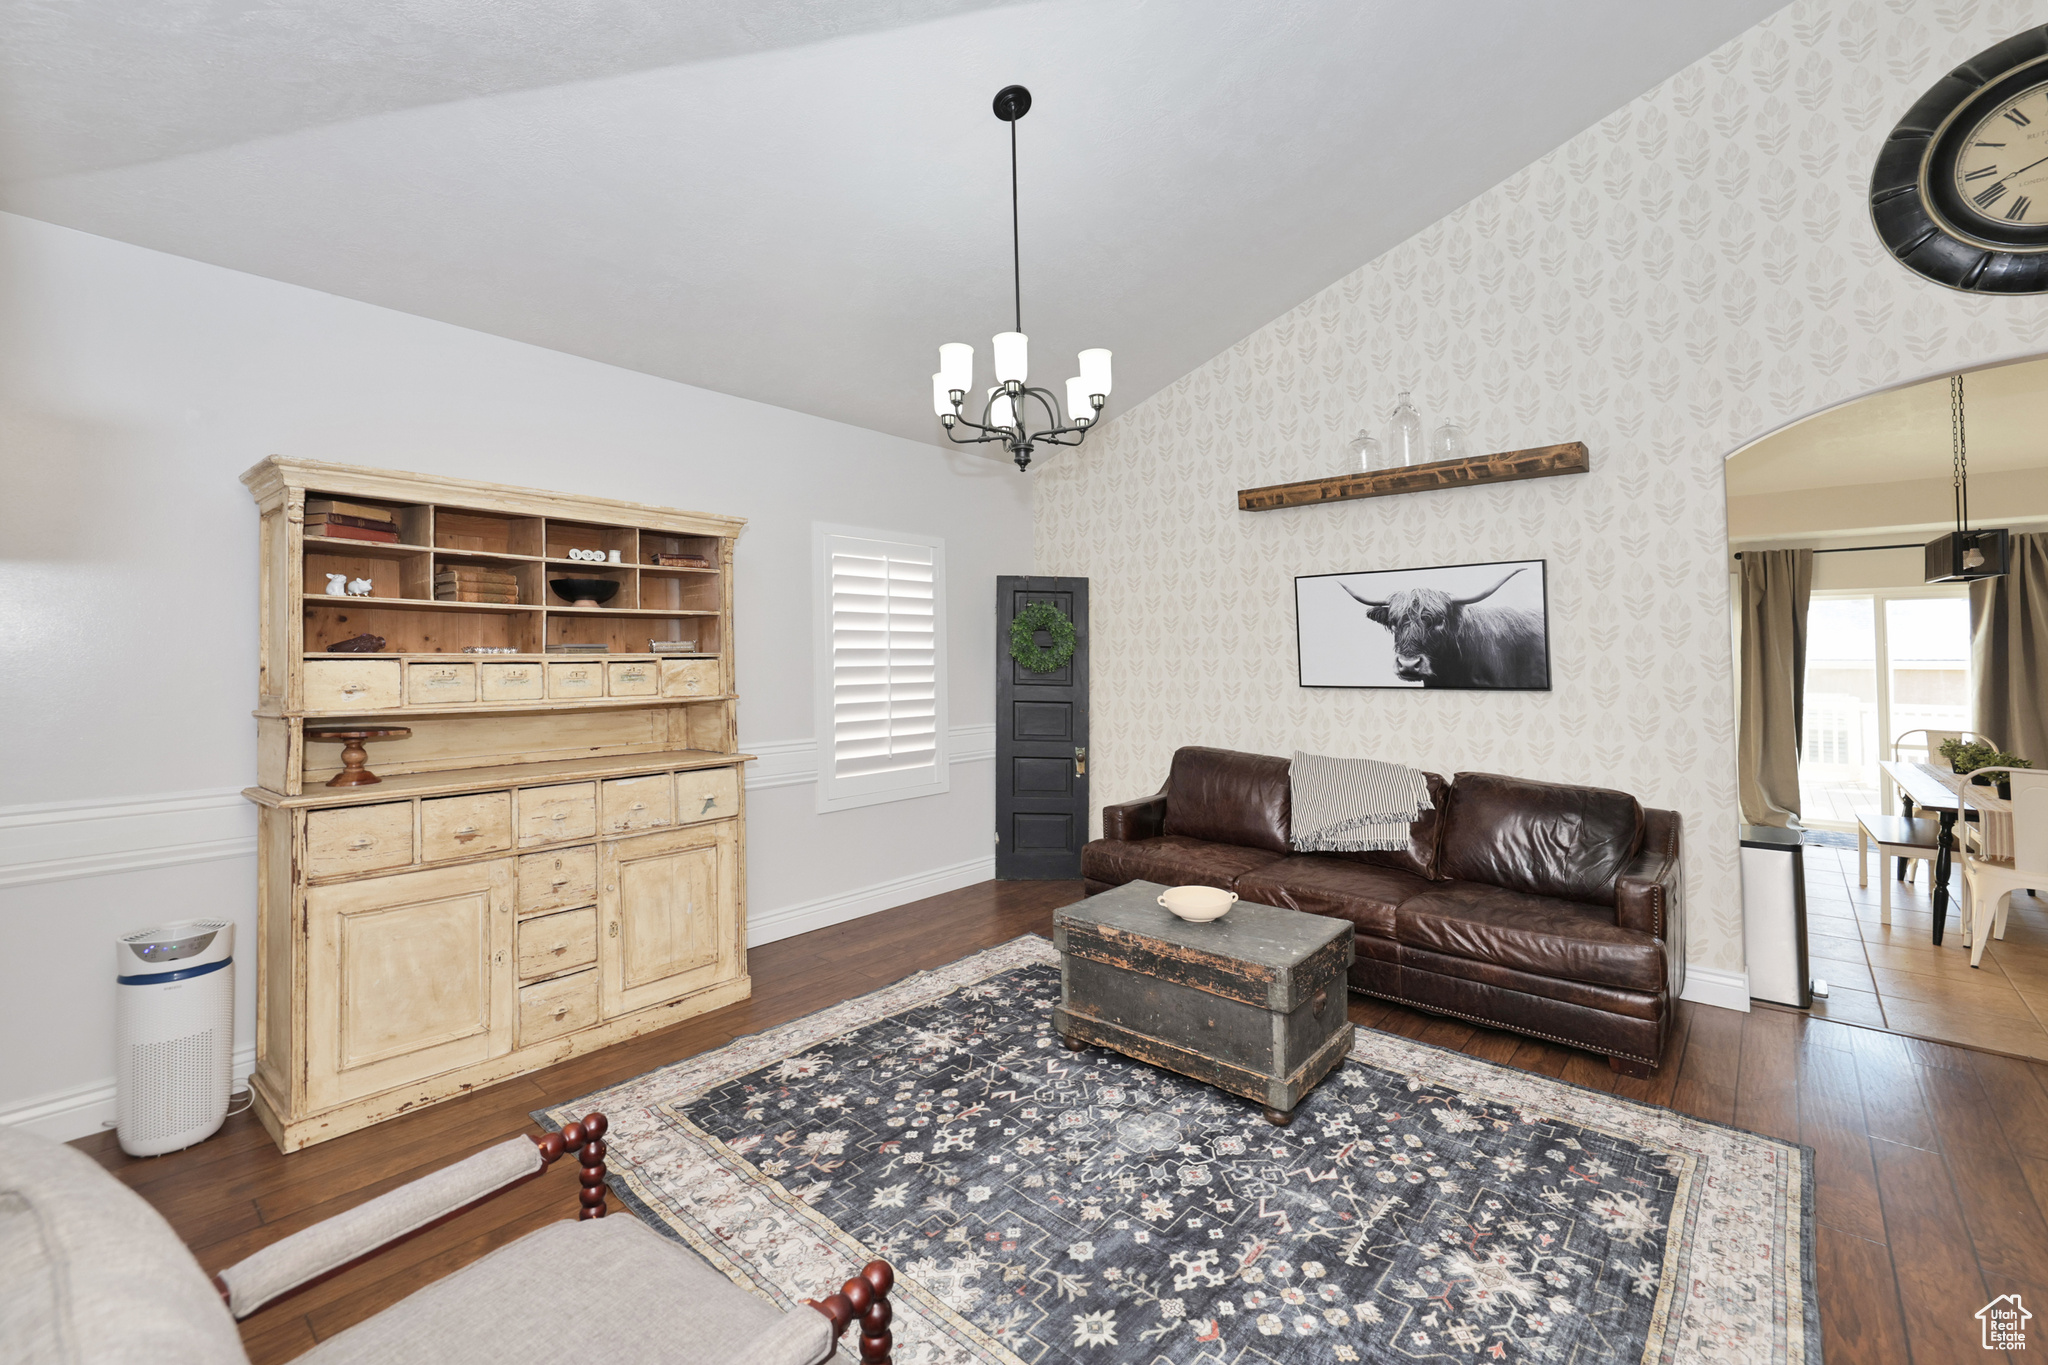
(1226, 797)
(1421, 855)
(1327, 884)
(1541, 838)
(1172, 859)
(608, 1289)
(1539, 934)
(89, 1272)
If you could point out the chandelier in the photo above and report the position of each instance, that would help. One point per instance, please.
(1007, 408)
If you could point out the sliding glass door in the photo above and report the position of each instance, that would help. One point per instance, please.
(1878, 664)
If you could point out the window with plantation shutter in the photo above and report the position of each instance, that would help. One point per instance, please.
(881, 666)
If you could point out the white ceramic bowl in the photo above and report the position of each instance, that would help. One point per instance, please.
(1198, 904)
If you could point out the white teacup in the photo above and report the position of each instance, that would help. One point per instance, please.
(1198, 904)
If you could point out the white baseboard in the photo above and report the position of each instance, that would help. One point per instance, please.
(805, 916)
(88, 1109)
(1709, 986)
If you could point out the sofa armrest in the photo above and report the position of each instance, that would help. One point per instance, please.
(1134, 820)
(333, 1244)
(1650, 890)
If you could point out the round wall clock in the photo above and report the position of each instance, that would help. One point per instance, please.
(1960, 191)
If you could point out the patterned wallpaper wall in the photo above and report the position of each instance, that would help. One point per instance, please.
(1692, 272)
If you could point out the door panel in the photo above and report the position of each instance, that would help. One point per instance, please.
(670, 906)
(410, 977)
(1041, 741)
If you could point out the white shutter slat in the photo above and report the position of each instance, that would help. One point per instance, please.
(884, 634)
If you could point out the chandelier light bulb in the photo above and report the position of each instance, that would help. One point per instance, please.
(942, 396)
(1095, 371)
(1012, 357)
(1001, 412)
(1079, 410)
(956, 363)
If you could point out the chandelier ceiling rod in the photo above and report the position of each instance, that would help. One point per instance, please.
(1004, 413)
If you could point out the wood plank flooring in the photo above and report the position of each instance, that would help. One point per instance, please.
(1931, 1162)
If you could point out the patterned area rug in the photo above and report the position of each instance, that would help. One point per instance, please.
(1047, 1206)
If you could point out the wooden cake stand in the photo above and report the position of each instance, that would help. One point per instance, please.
(352, 738)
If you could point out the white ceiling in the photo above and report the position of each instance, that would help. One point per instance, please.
(797, 201)
(1904, 435)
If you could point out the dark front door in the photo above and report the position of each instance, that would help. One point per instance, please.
(1041, 740)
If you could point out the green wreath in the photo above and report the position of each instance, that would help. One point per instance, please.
(1024, 646)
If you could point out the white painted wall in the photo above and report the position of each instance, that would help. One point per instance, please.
(135, 386)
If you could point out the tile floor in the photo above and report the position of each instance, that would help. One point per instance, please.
(1896, 978)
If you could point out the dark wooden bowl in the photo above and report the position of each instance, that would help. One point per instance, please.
(585, 592)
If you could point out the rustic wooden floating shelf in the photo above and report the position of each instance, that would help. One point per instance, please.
(1540, 462)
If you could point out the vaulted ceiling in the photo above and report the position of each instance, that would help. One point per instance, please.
(796, 201)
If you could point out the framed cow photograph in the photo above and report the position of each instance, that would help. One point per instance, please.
(1474, 627)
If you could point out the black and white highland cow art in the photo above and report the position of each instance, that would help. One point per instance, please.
(1462, 626)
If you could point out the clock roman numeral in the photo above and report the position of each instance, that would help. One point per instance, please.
(1991, 195)
(2019, 120)
(1980, 173)
(2018, 209)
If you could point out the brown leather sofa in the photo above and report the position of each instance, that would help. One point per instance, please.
(1554, 911)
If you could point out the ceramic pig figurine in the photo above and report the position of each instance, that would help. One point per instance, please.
(359, 587)
(337, 584)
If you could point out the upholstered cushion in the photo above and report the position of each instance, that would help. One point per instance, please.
(1225, 797)
(92, 1275)
(312, 1252)
(1538, 934)
(1171, 859)
(1540, 838)
(1326, 884)
(606, 1290)
(1420, 857)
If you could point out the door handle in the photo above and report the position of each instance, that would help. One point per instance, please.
(1080, 762)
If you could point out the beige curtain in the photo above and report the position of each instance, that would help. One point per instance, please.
(1775, 587)
(2009, 652)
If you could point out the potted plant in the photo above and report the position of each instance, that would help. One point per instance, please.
(2002, 782)
(1966, 755)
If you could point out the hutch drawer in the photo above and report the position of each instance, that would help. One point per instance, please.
(637, 803)
(458, 826)
(569, 682)
(351, 684)
(514, 682)
(549, 1009)
(552, 881)
(358, 839)
(549, 944)
(556, 815)
(689, 678)
(707, 794)
(440, 684)
(632, 679)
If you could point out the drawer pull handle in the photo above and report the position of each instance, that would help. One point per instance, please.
(351, 689)
(633, 675)
(515, 675)
(465, 834)
(359, 844)
(579, 676)
(559, 881)
(709, 802)
(445, 675)
(561, 1013)
(639, 805)
(559, 950)
(559, 815)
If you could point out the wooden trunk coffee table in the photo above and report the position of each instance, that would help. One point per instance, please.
(1253, 1003)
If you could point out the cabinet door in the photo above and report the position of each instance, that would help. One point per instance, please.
(670, 904)
(406, 977)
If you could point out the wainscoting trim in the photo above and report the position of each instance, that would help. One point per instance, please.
(63, 840)
(70, 1114)
(1710, 986)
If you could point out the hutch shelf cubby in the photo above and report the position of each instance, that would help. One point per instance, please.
(554, 857)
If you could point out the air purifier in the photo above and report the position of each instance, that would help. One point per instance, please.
(175, 1032)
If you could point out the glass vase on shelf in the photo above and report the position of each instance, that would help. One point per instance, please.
(1365, 453)
(1404, 434)
(1449, 442)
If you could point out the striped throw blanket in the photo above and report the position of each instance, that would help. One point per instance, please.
(1354, 805)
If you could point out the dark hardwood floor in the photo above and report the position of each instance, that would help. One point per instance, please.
(1931, 1162)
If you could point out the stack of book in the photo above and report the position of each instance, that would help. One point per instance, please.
(350, 521)
(682, 561)
(564, 647)
(472, 583)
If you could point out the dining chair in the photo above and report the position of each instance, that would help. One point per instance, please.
(1990, 883)
(1908, 847)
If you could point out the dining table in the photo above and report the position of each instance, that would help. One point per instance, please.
(1938, 789)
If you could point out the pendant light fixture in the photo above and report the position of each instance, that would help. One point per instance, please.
(1964, 555)
(1007, 408)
